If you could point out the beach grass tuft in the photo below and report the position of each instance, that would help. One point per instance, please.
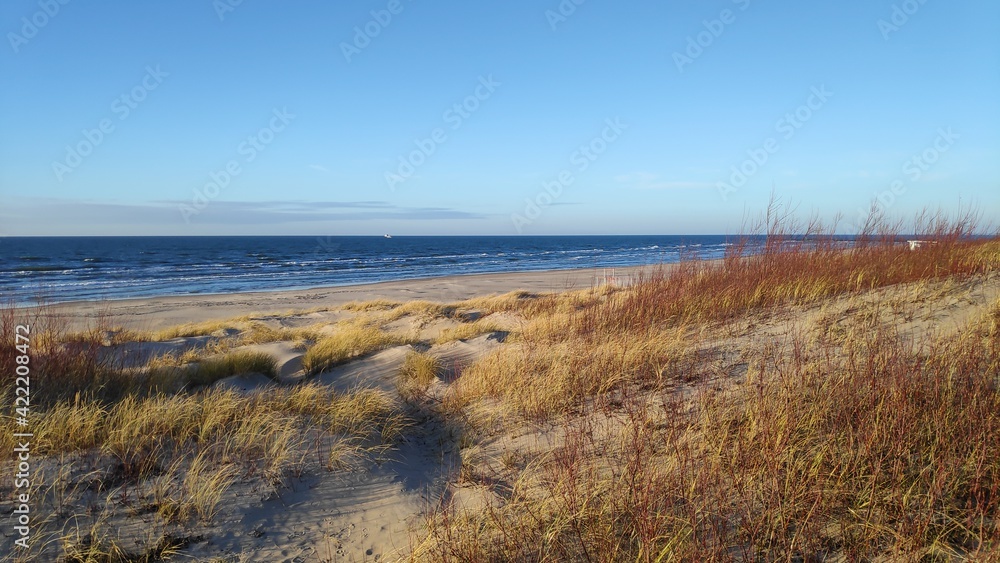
(349, 340)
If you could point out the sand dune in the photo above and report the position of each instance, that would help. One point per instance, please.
(371, 506)
(287, 356)
(377, 371)
(456, 356)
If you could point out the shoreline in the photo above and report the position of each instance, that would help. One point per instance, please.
(152, 313)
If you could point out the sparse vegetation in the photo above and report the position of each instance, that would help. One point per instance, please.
(468, 330)
(416, 374)
(234, 363)
(207, 328)
(695, 422)
(350, 340)
(795, 401)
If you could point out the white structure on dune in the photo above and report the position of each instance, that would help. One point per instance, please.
(915, 244)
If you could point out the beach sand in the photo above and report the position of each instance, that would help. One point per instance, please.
(352, 515)
(374, 511)
(159, 312)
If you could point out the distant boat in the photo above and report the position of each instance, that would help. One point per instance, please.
(387, 236)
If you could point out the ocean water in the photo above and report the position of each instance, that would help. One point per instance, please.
(59, 269)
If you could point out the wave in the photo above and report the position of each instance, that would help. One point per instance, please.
(152, 266)
(29, 269)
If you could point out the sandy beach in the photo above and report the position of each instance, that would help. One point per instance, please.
(481, 282)
(434, 418)
(159, 312)
(372, 509)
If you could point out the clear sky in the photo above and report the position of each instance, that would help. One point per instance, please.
(506, 117)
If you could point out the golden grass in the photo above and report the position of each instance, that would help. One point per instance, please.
(687, 427)
(206, 328)
(169, 374)
(234, 363)
(379, 312)
(885, 451)
(100, 545)
(422, 308)
(235, 333)
(204, 485)
(688, 433)
(465, 331)
(179, 454)
(136, 429)
(416, 374)
(542, 378)
(509, 301)
(370, 305)
(350, 340)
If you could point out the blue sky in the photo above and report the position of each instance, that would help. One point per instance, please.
(515, 117)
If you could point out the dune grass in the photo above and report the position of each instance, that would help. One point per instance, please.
(128, 438)
(465, 331)
(370, 305)
(236, 332)
(177, 456)
(205, 328)
(509, 301)
(239, 362)
(417, 373)
(349, 340)
(873, 444)
(884, 451)
(687, 426)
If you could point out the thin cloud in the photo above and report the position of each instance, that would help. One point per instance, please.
(167, 213)
(647, 181)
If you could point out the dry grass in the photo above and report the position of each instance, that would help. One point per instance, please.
(885, 451)
(171, 374)
(241, 362)
(204, 484)
(689, 433)
(416, 374)
(419, 307)
(176, 455)
(684, 425)
(99, 545)
(155, 440)
(350, 340)
(206, 328)
(465, 331)
(509, 301)
(370, 305)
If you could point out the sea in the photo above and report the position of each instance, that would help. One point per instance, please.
(62, 269)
